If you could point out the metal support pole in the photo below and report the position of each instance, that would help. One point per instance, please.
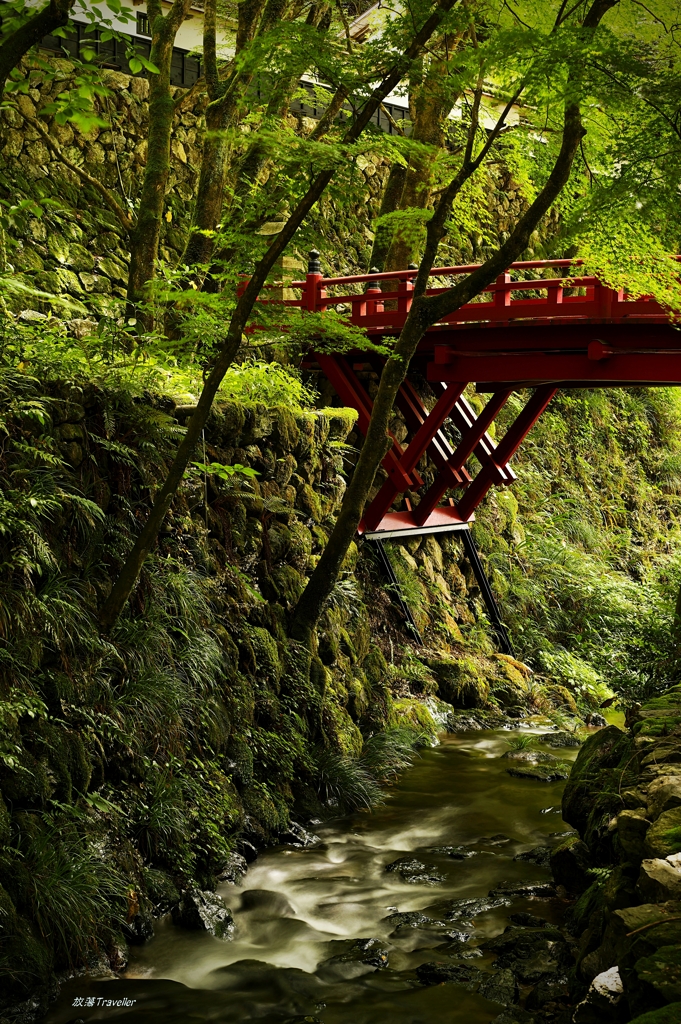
(498, 626)
(396, 589)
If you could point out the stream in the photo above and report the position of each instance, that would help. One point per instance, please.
(299, 912)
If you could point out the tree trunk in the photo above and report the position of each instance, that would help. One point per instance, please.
(422, 314)
(129, 574)
(54, 15)
(432, 105)
(146, 236)
(390, 202)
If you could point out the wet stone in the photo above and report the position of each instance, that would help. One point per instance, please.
(560, 739)
(459, 949)
(540, 772)
(296, 835)
(368, 952)
(500, 987)
(234, 868)
(441, 973)
(409, 919)
(552, 989)
(540, 855)
(467, 909)
(523, 890)
(455, 852)
(528, 920)
(415, 872)
(204, 911)
(531, 955)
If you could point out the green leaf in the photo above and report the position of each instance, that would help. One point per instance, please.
(135, 65)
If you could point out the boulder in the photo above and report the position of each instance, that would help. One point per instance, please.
(296, 835)
(415, 872)
(603, 1000)
(551, 989)
(441, 973)
(553, 772)
(664, 793)
(233, 869)
(560, 739)
(500, 987)
(204, 911)
(362, 955)
(540, 855)
(662, 970)
(666, 1015)
(532, 955)
(570, 862)
(523, 890)
(632, 826)
(659, 881)
(467, 909)
(664, 835)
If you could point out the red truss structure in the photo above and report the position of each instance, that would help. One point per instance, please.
(540, 333)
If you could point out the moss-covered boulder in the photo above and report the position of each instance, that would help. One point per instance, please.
(664, 835)
(570, 864)
(665, 1015)
(460, 681)
(604, 766)
(660, 716)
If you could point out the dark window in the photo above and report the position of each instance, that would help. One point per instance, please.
(143, 28)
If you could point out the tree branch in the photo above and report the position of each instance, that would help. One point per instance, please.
(126, 221)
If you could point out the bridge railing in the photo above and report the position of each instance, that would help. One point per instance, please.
(383, 304)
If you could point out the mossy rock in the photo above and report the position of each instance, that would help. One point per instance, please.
(664, 836)
(239, 760)
(286, 584)
(460, 681)
(662, 970)
(309, 502)
(604, 766)
(561, 697)
(306, 428)
(414, 715)
(285, 429)
(266, 652)
(541, 772)
(661, 715)
(161, 889)
(376, 667)
(570, 863)
(665, 1015)
(341, 422)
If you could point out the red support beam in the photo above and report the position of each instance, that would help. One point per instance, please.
(506, 449)
(418, 445)
(469, 442)
(351, 391)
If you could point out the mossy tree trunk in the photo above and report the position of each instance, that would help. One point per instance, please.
(146, 540)
(145, 238)
(227, 102)
(424, 312)
(431, 98)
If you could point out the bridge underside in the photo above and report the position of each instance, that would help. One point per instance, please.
(499, 358)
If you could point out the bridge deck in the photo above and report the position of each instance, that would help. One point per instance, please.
(541, 332)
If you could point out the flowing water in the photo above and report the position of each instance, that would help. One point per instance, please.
(295, 909)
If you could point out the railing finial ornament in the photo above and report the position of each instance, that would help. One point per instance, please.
(313, 265)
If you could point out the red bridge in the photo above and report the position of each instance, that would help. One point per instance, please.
(540, 333)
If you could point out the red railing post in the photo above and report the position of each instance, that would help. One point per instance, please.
(312, 292)
(373, 288)
(502, 294)
(405, 289)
